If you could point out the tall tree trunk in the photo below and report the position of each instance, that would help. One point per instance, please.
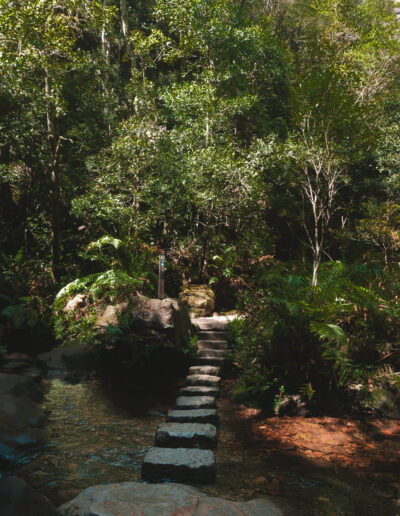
(124, 20)
(54, 180)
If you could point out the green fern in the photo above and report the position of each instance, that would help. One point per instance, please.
(329, 332)
(104, 241)
(20, 315)
(77, 286)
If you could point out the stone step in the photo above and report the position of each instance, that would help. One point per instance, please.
(210, 361)
(212, 353)
(212, 344)
(212, 335)
(195, 402)
(199, 390)
(212, 370)
(179, 464)
(186, 435)
(203, 379)
(212, 323)
(193, 416)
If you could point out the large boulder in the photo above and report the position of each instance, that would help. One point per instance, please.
(17, 498)
(199, 298)
(22, 418)
(20, 386)
(78, 357)
(20, 363)
(168, 316)
(128, 498)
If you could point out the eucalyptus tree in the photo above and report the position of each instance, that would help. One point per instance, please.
(345, 67)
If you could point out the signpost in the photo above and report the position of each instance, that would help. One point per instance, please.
(161, 276)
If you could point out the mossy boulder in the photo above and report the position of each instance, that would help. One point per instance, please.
(199, 298)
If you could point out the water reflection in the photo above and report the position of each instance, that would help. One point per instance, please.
(95, 437)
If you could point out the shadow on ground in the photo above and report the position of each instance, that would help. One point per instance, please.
(322, 466)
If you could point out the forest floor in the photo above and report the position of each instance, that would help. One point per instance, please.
(322, 465)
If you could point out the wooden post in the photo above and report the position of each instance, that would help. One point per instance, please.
(161, 276)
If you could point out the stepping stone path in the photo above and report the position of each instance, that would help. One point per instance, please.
(184, 444)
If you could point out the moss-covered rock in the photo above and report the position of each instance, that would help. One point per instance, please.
(199, 298)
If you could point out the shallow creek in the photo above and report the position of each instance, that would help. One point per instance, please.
(99, 434)
(94, 438)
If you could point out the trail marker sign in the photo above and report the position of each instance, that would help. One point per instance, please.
(161, 276)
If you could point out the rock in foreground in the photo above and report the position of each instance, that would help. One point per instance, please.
(17, 498)
(130, 498)
(21, 419)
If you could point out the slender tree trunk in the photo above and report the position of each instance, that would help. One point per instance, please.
(316, 264)
(124, 20)
(54, 180)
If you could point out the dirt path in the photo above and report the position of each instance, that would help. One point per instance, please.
(325, 466)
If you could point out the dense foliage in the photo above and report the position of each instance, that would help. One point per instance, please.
(256, 142)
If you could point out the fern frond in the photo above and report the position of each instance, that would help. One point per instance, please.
(329, 332)
(104, 241)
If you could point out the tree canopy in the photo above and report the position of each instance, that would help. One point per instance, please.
(257, 143)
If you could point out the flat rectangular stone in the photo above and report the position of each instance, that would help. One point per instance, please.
(195, 402)
(219, 323)
(212, 335)
(210, 361)
(212, 344)
(212, 370)
(179, 464)
(186, 435)
(199, 390)
(212, 353)
(193, 416)
(203, 379)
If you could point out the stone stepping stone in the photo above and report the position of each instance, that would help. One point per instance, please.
(210, 361)
(212, 353)
(212, 370)
(213, 344)
(212, 323)
(186, 435)
(193, 416)
(212, 335)
(195, 402)
(199, 390)
(203, 379)
(179, 464)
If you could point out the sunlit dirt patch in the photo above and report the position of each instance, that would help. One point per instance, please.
(323, 465)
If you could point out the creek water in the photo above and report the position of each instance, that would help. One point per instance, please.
(99, 432)
(96, 435)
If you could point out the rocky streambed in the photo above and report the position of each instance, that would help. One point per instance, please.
(99, 431)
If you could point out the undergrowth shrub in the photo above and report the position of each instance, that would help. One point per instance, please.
(26, 290)
(317, 340)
